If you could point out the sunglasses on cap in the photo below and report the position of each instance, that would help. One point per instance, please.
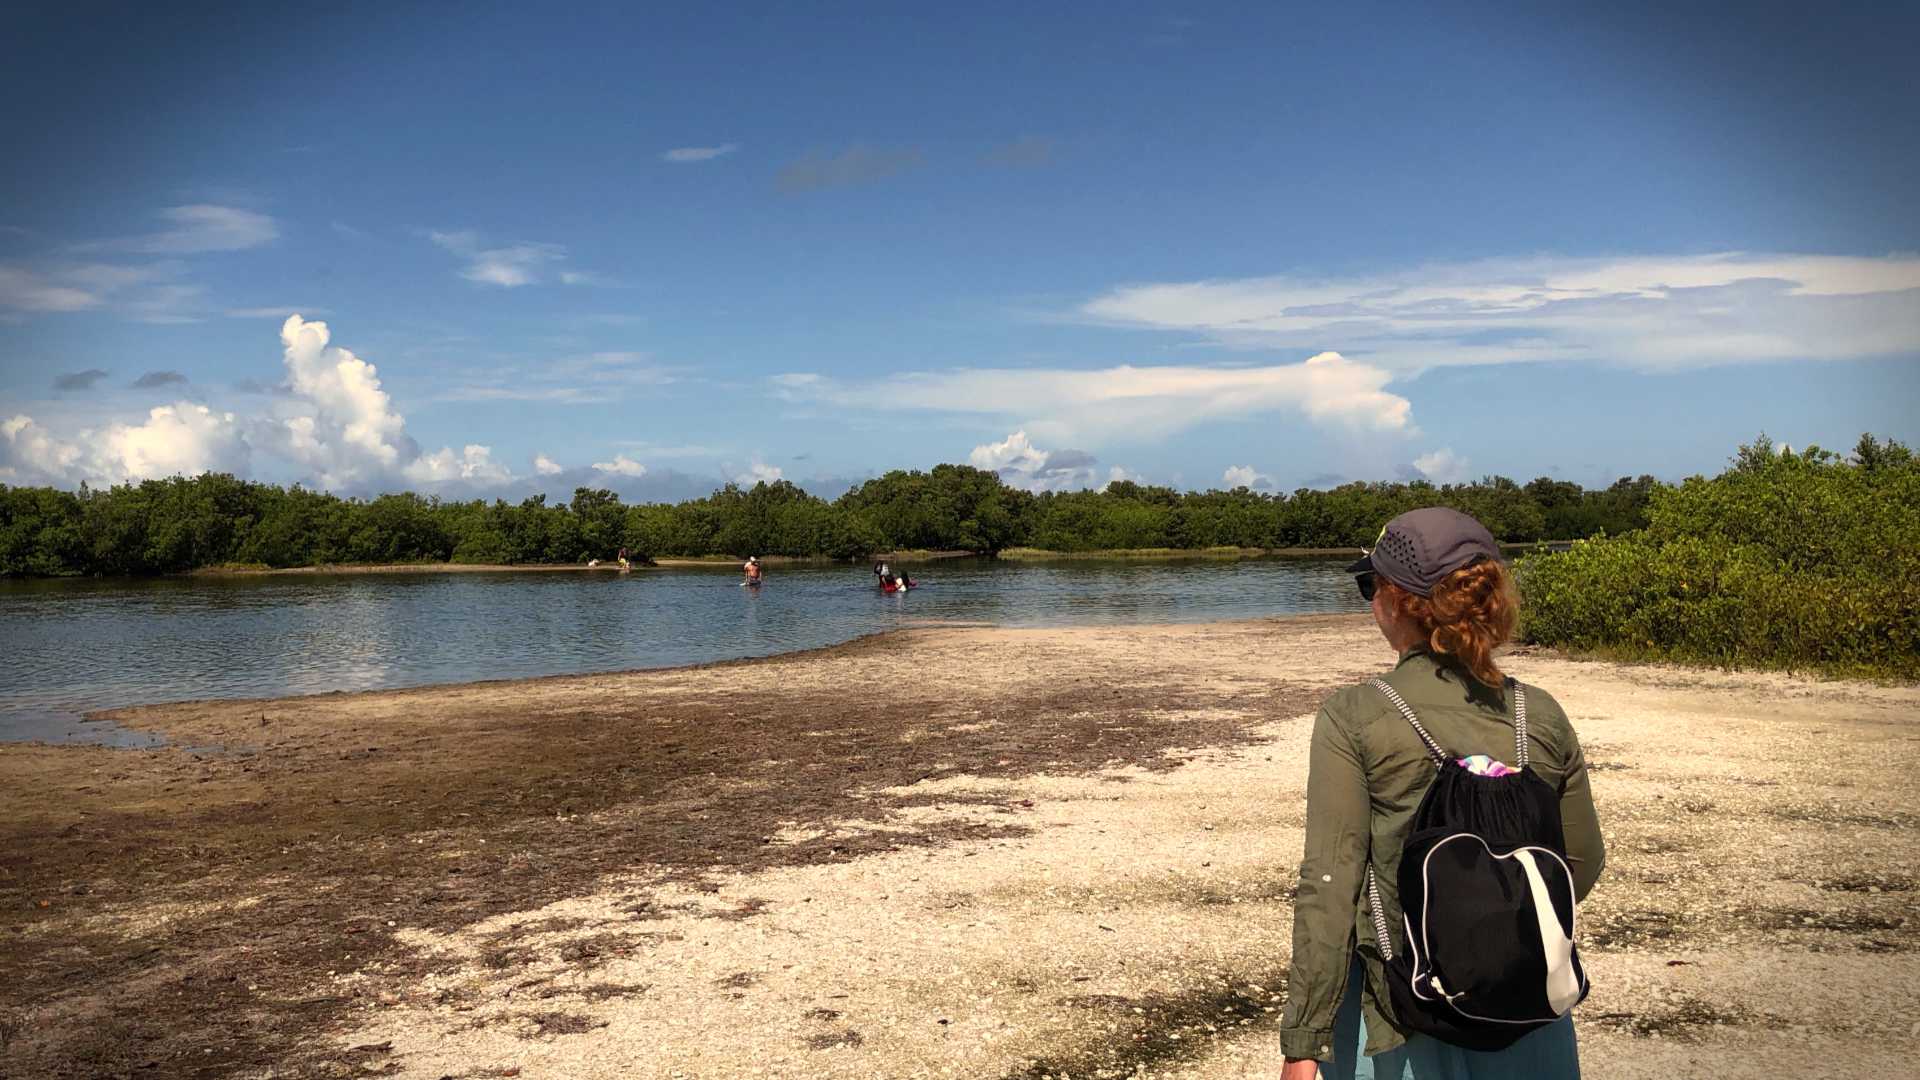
(1368, 583)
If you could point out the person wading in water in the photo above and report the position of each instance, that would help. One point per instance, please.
(1444, 601)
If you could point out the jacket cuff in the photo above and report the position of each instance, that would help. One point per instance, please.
(1315, 1043)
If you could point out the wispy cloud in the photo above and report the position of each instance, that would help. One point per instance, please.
(857, 164)
(1652, 313)
(155, 379)
(149, 293)
(203, 227)
(660, 450)
(1025, 152)
(25, 290)
(688, 155)
(276, 311)
(569, 380)
(508, 267)
(1153, 402)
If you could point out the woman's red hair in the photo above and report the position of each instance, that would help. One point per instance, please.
(1470, 614)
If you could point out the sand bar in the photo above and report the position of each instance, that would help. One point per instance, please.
(967, 852)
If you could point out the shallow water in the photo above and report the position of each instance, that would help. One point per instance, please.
(75, 646)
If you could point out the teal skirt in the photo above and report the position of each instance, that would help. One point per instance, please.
(1546, 1054)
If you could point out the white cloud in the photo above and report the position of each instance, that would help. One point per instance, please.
(474, 464)
(686, 155)
(1245, 476)
(1442, 466)
(546, 466)
(179, 439)
(1022, 464)
(204, 227)
(1118, 473)
(1139, 402)
(621, 465)
(33, 449)
(331, 419)
(508, 267)
(1647, 312)
(353, 433)
(1015, 452)
(757, 473)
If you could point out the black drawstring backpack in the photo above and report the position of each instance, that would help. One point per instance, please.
(1488, 902)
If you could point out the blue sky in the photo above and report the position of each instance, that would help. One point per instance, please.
(1188, 244)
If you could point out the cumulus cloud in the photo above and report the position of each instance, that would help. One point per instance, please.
(330, 419)
(759, 472)
(508, 267)
(687, 155)
(474, 464)
(857, 164)
(1245, 476)
(1442, 466)
(546, 466)
(1021, 464)
(202, 228)
(1134, 401)
(179, 439)
(78, 380)
(621, 465)
(1653, 313)
(352, 433)
(33, 452)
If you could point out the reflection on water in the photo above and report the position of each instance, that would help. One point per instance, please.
(74, 646)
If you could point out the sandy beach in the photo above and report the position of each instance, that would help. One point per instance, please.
(952, 851)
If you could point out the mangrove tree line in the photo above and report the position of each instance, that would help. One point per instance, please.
(186, 523)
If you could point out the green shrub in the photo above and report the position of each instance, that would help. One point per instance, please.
(1795, 561)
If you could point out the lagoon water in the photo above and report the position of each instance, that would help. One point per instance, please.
(74, 646)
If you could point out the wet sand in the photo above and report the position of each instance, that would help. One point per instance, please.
(967, 852)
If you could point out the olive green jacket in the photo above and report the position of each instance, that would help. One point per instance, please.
(1367, 774)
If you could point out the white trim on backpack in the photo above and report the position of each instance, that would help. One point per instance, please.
(1563, 983)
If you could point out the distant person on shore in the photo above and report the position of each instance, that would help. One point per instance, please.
(752, 570)
(624, 564)
(1446, 787)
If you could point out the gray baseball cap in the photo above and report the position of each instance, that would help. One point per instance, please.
(1418, 549)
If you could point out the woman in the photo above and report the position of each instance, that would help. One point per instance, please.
(1444, 601)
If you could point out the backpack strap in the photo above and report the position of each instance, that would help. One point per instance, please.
(1438, 755)
(1519, 723)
